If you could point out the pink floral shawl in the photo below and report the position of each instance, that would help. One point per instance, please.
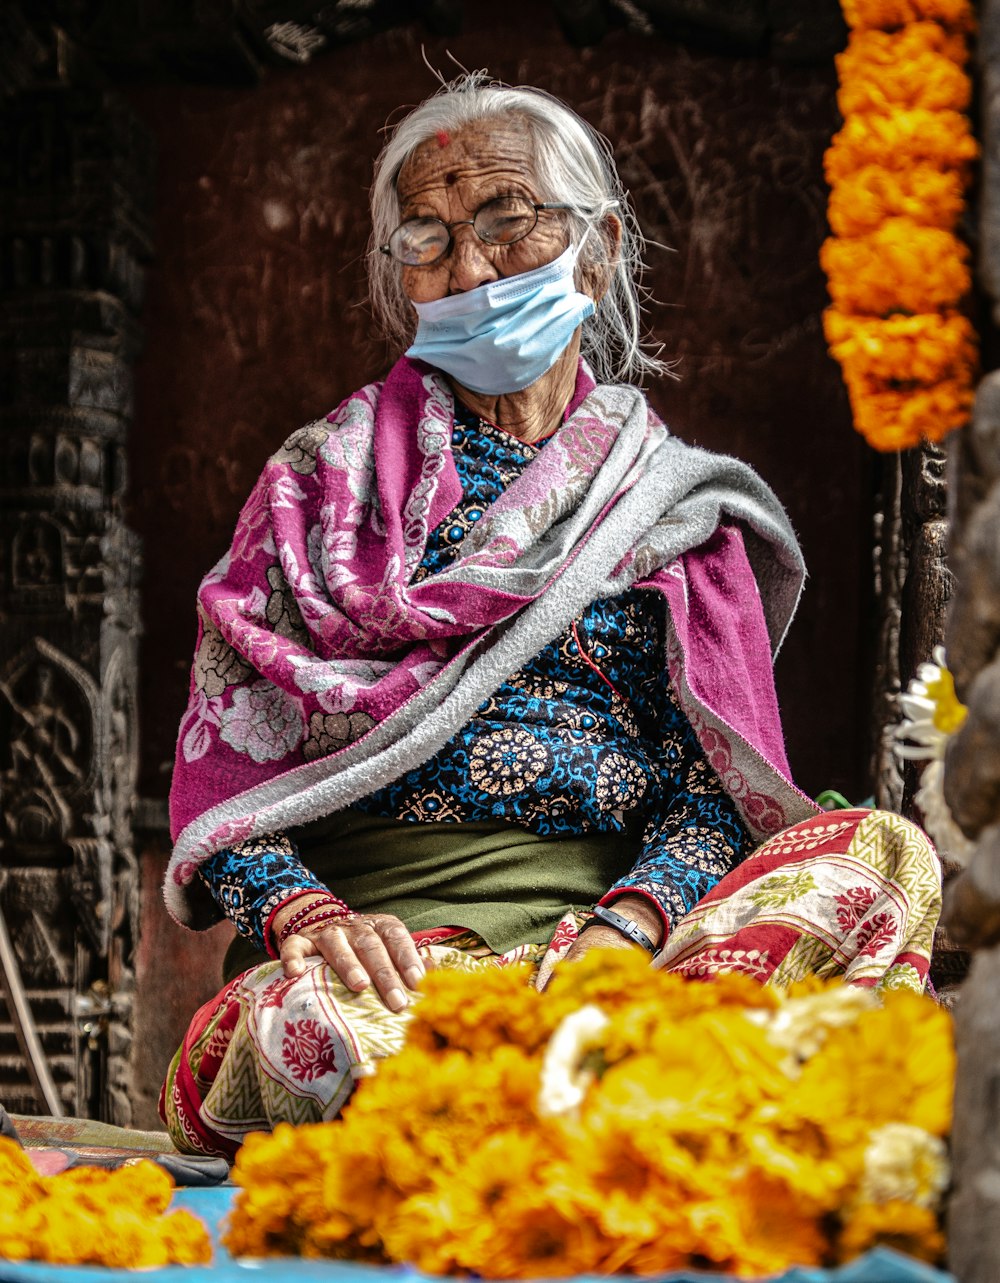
(323, 670)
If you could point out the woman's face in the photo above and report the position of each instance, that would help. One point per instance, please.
(451, 177)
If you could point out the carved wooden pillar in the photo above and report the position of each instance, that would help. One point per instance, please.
(913, 585)
(913, 589)
(74, 168)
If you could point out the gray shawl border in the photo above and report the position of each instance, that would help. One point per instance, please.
(676, 504)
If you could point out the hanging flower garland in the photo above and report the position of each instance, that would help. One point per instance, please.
(625, 1121)
(898, 170)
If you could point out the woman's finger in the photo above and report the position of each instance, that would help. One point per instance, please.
(370, 948)
(401, 949)
(328, 944)
(361, 950)
(294, 952)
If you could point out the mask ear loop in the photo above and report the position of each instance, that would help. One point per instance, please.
(576, 251)
(591, 226)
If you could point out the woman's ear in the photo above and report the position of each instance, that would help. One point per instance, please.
(595, 278)
(611, 231)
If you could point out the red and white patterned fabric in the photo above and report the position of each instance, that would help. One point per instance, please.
(854, 894)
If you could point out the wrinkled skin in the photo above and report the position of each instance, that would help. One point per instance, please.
(451, 182)
(450, 178)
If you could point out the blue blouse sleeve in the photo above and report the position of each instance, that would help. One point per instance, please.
(694, 834)
(693, 837)
(249, 880)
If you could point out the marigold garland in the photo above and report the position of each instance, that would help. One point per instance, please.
(897, 420)
(90, 1216)
(862, 200)
(898, 170)
(901, 351)
(887, 14)
(626, 1120)
(901, 267)
(920, 66)
(899, 140)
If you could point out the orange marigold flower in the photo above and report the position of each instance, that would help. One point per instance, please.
(297, 1184)
(775, 1228)
(20, 1184)
(141, 1187)
(911, 1041)
(911, 1230)
(897, 420)
(439, 1230)
(900, 267)
(632, 1196)
(795, 1158)
(620, 978)
(886, 14)
(901, 139)
(452, 1224)
(861, 201)
(92, 1216)
(185, 1239)
(898, 353)
(693, 1145)
(537, 1237)
(63, 1232)
(499, 1008)
(919, 66)
(129, 1241)
(144, 1186)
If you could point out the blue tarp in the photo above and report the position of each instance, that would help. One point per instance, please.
(211, 1205)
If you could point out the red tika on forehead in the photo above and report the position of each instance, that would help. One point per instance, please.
(443, 137)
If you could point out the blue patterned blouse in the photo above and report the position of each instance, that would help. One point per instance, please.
(586, 737)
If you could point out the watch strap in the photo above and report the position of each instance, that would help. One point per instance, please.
(628, 928)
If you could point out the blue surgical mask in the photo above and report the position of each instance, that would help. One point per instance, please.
(503, 336)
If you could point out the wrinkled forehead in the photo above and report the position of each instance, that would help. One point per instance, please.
(482, 152)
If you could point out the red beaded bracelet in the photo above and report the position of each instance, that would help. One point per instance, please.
(321, 915)
(320, 902)
(323, 900)
(292, 927)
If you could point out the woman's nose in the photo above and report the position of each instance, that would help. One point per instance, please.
(469, 262)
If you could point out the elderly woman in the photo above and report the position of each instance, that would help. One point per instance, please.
(486, 674)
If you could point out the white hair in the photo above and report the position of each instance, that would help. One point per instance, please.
(572, 164)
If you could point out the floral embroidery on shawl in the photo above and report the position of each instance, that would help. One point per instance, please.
(331, 668)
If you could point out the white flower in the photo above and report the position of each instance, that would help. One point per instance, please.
(564, 1080)
(931, 715)
(800, 1025)
(931, 712)
(904, 1162)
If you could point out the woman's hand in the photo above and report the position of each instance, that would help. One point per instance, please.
(362, 949)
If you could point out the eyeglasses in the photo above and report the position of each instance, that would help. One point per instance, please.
(422, 242)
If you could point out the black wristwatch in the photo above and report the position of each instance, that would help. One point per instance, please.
(631, 930)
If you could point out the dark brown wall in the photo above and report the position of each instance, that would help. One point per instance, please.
(256, 318)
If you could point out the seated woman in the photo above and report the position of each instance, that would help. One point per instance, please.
(486, 674)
